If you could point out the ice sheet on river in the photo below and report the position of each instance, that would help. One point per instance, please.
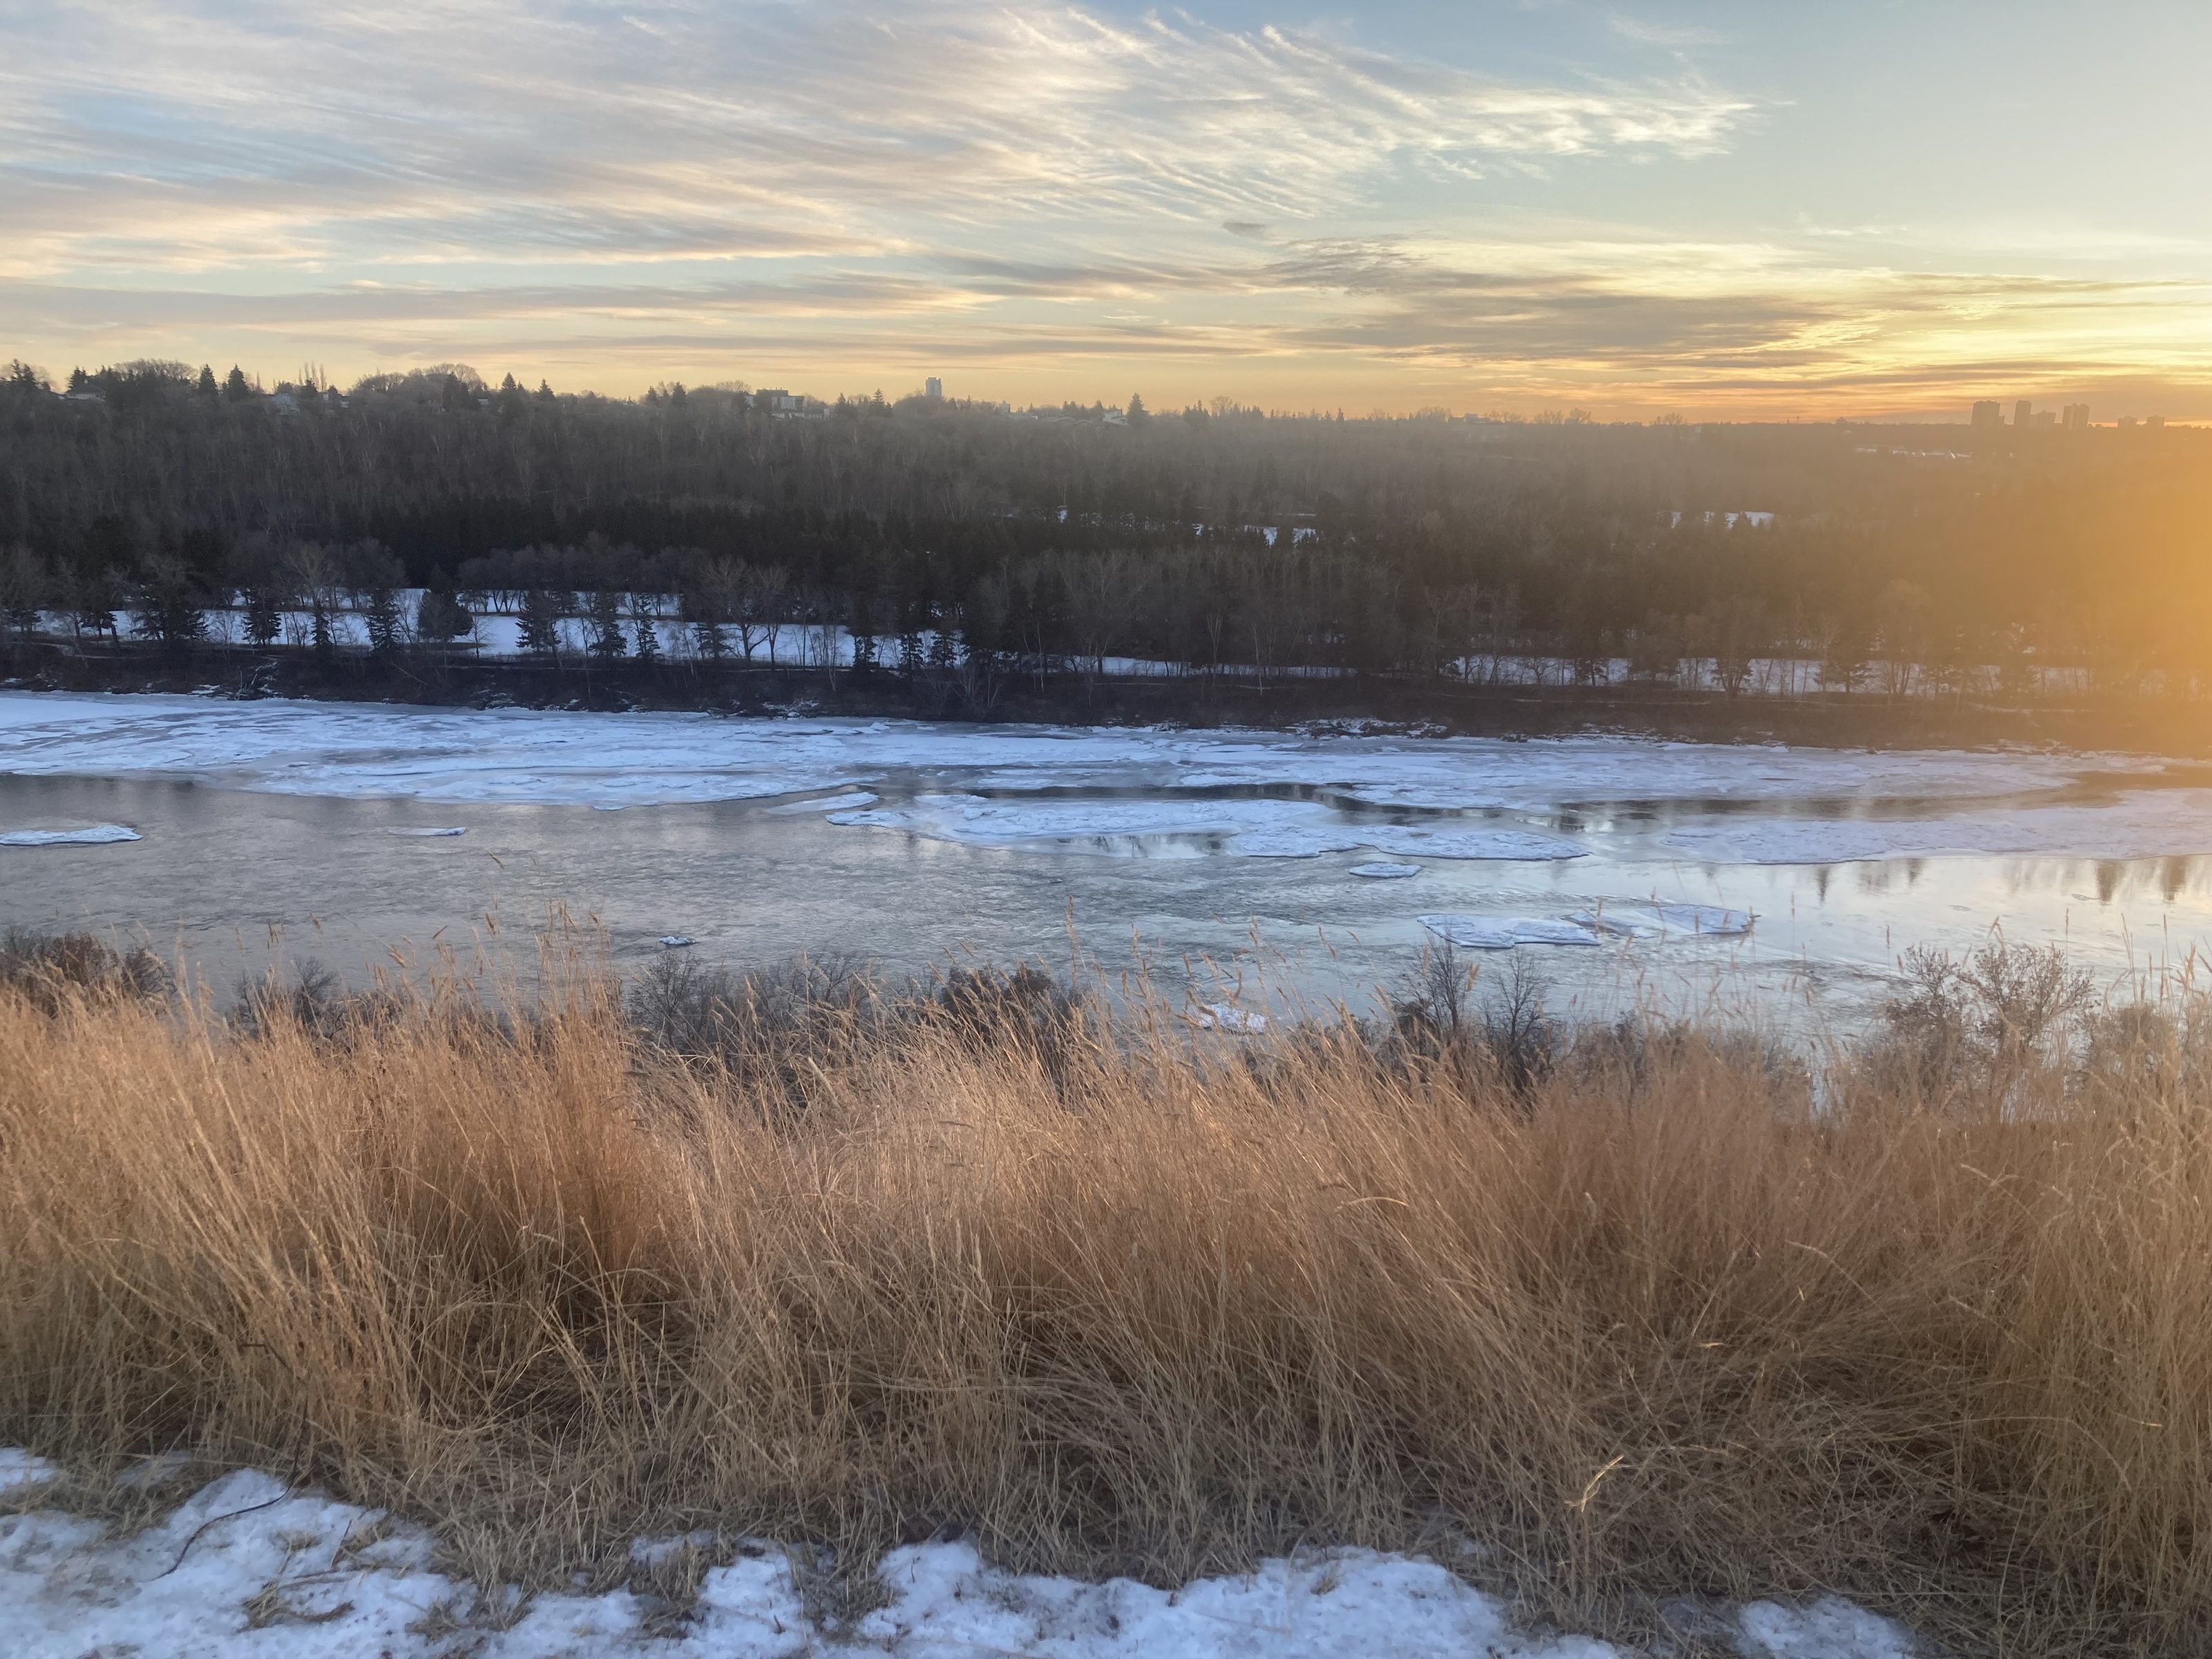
(1192, 828)
(1254, 793)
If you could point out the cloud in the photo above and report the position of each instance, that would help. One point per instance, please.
(185, 136)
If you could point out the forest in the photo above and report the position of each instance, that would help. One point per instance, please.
(943, 536)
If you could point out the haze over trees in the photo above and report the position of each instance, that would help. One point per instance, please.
(1215, 540)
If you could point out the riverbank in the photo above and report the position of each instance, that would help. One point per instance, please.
(790, 1259)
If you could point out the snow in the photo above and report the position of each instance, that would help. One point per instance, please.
(1504, 932)
(1386, 871)
(675, 941)
(98, 835)
(248, 1567)
(428, 831)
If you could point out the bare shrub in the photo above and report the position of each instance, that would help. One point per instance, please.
(51, 968)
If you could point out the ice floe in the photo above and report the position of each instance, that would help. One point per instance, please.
(1504, 932)
(98, 835)
(248, 1565)
(430, 832)
(1228, 1017)
(1386, 871)
(849, 800)
(1658, 921)
(675, 941)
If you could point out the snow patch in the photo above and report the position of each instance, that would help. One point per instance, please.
(675, 941)
(249, 1566)
(411, 830)
(98, 835)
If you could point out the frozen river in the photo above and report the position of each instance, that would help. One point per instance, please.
(1290, 868)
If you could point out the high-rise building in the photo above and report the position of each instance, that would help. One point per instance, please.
(2023, 413)
(932, 388)
(2046, 417)
(2077, 417)
(2155, 422)
(1989, 412)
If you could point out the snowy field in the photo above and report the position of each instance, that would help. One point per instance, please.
(1246, 792)
(247, 1567)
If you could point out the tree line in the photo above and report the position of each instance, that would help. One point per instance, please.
(1215, 540)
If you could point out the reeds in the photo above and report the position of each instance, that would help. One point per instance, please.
(1664, 1317)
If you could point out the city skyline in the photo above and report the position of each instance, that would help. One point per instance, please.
(1695, 208)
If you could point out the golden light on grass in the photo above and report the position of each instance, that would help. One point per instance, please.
(1672, 1322)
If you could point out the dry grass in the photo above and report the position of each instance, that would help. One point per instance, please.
(1650, 1326)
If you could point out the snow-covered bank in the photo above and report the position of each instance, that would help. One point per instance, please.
(248, 1567)
(1255, 793)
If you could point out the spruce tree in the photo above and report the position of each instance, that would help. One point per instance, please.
(607, 642)
(539, 623)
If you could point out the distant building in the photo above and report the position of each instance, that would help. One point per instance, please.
(933, 389)
(2023, 413)
(1989, 413)
(2077, 417)
(2155, 422)
(2046, 417)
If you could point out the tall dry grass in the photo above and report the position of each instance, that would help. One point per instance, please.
(1656, 1324)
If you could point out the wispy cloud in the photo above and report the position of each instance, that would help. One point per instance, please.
(857, 186)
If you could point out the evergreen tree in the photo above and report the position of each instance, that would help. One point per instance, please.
(206, 386)
(647, 627)
(234, 387)
(440, 617)
(326, 645)
(265, 616)
(608, 645)
(539, 623)
(167, 607)
(382, 617)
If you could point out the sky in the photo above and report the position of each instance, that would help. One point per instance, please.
(1859, 207)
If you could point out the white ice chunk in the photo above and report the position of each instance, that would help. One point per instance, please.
(1228, 1017)
(98, 835)
(427, 832)
(1654, 920)
(1386, 871)
(1504, 932)
(675, 941)
(851, 800)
